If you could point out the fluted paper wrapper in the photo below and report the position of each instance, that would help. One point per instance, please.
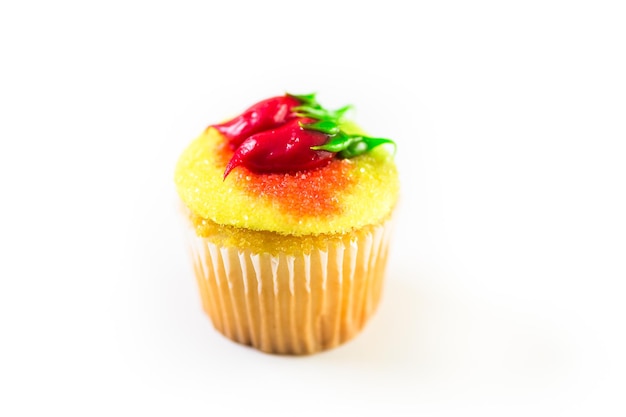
(288, 304)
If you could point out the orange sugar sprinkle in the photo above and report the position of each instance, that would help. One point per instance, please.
(303, 193)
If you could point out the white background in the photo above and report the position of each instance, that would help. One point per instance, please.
(505, 291)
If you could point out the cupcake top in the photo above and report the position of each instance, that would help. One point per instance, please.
(287, 165)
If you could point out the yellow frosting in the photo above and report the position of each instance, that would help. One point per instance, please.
(365, 193)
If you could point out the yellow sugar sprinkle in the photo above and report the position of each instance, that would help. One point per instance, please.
(365, 194)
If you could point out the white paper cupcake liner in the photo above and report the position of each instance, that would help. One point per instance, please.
(292, 304)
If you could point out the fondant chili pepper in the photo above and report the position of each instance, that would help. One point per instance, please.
(273, 112)
(264, 115)
(284, 149)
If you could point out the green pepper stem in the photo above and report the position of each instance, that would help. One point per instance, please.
(328, 122)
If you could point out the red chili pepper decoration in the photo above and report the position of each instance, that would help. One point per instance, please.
(284, 149)
(264, 115)
(291, 133)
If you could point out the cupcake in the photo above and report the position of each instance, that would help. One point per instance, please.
(288, 209)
